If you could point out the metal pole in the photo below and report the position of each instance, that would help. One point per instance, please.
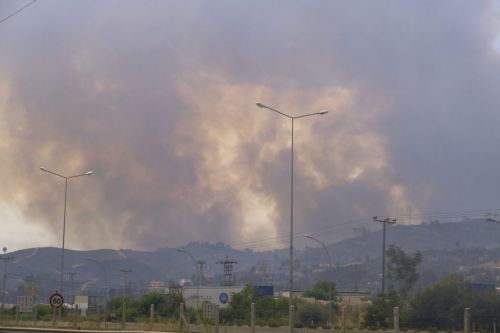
(151, 316)
(125, 272)
(64, 233)
(396, 319)
(123, 315)
(72, 281)
(197, 287)
(217, 319)
(331, 277)
(88, 173)
(106, 290)
(181, 313)
(125, 283)
(3, 292)
(467, 320)
(197, 273)
(343, 319)
(252, 318)
(17, 311)
(384, 222)
(4, 286)
(290, 296)
(383, 260)
(33, 295)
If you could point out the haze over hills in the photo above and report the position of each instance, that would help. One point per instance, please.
(469, 233)
(470, 247)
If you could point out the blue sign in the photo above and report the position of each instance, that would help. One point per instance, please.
(223, 298)
(265, 290)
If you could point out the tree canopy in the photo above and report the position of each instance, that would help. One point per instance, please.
(402, 269)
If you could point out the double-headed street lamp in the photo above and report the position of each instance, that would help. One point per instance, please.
(292, 118)
(329, 282)
(64, 218)
(197, 275)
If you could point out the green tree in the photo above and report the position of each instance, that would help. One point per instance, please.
(312, 314)
(266, 307)
(320, 292)
(442, 306)
(402, 269)
(165, 306)
(379, 313)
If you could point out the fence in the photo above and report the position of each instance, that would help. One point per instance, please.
(209, 322)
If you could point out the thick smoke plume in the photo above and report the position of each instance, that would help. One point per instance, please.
(158, 99)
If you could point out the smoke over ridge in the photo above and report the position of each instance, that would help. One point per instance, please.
(158, 99)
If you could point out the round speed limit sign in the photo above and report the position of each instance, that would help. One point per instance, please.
(56, 300)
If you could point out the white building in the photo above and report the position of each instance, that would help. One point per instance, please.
(219, 295)
(157, 287)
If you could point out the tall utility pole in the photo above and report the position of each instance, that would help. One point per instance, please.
(5, 263)
(71, 279)
(228, 270)
(125, 281)
(384, 223)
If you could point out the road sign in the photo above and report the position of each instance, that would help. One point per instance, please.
(223, 298)
(25, 303)
(56, 300)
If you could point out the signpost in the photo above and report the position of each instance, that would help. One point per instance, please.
(56, 300)
(25, 303)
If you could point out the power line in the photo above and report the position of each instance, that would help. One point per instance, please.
(449, 214)
(301, 233)
(269, 243)
(17, 11)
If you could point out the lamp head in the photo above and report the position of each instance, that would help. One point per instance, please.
(307, 236)
(322, 112)
(260, 105)
(89, 173)
(43, 168)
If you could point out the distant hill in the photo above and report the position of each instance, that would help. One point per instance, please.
(469, 233)
(469, 247)
(466, 248)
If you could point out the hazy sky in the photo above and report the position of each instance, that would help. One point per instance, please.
(158, 99)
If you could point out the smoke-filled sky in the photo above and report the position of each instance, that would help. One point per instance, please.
(158, 99)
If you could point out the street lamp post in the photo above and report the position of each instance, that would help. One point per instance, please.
(197, 274)
(329, 282)
(292, 118)
(88, 173)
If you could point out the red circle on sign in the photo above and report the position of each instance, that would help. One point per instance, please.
(56, 300)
